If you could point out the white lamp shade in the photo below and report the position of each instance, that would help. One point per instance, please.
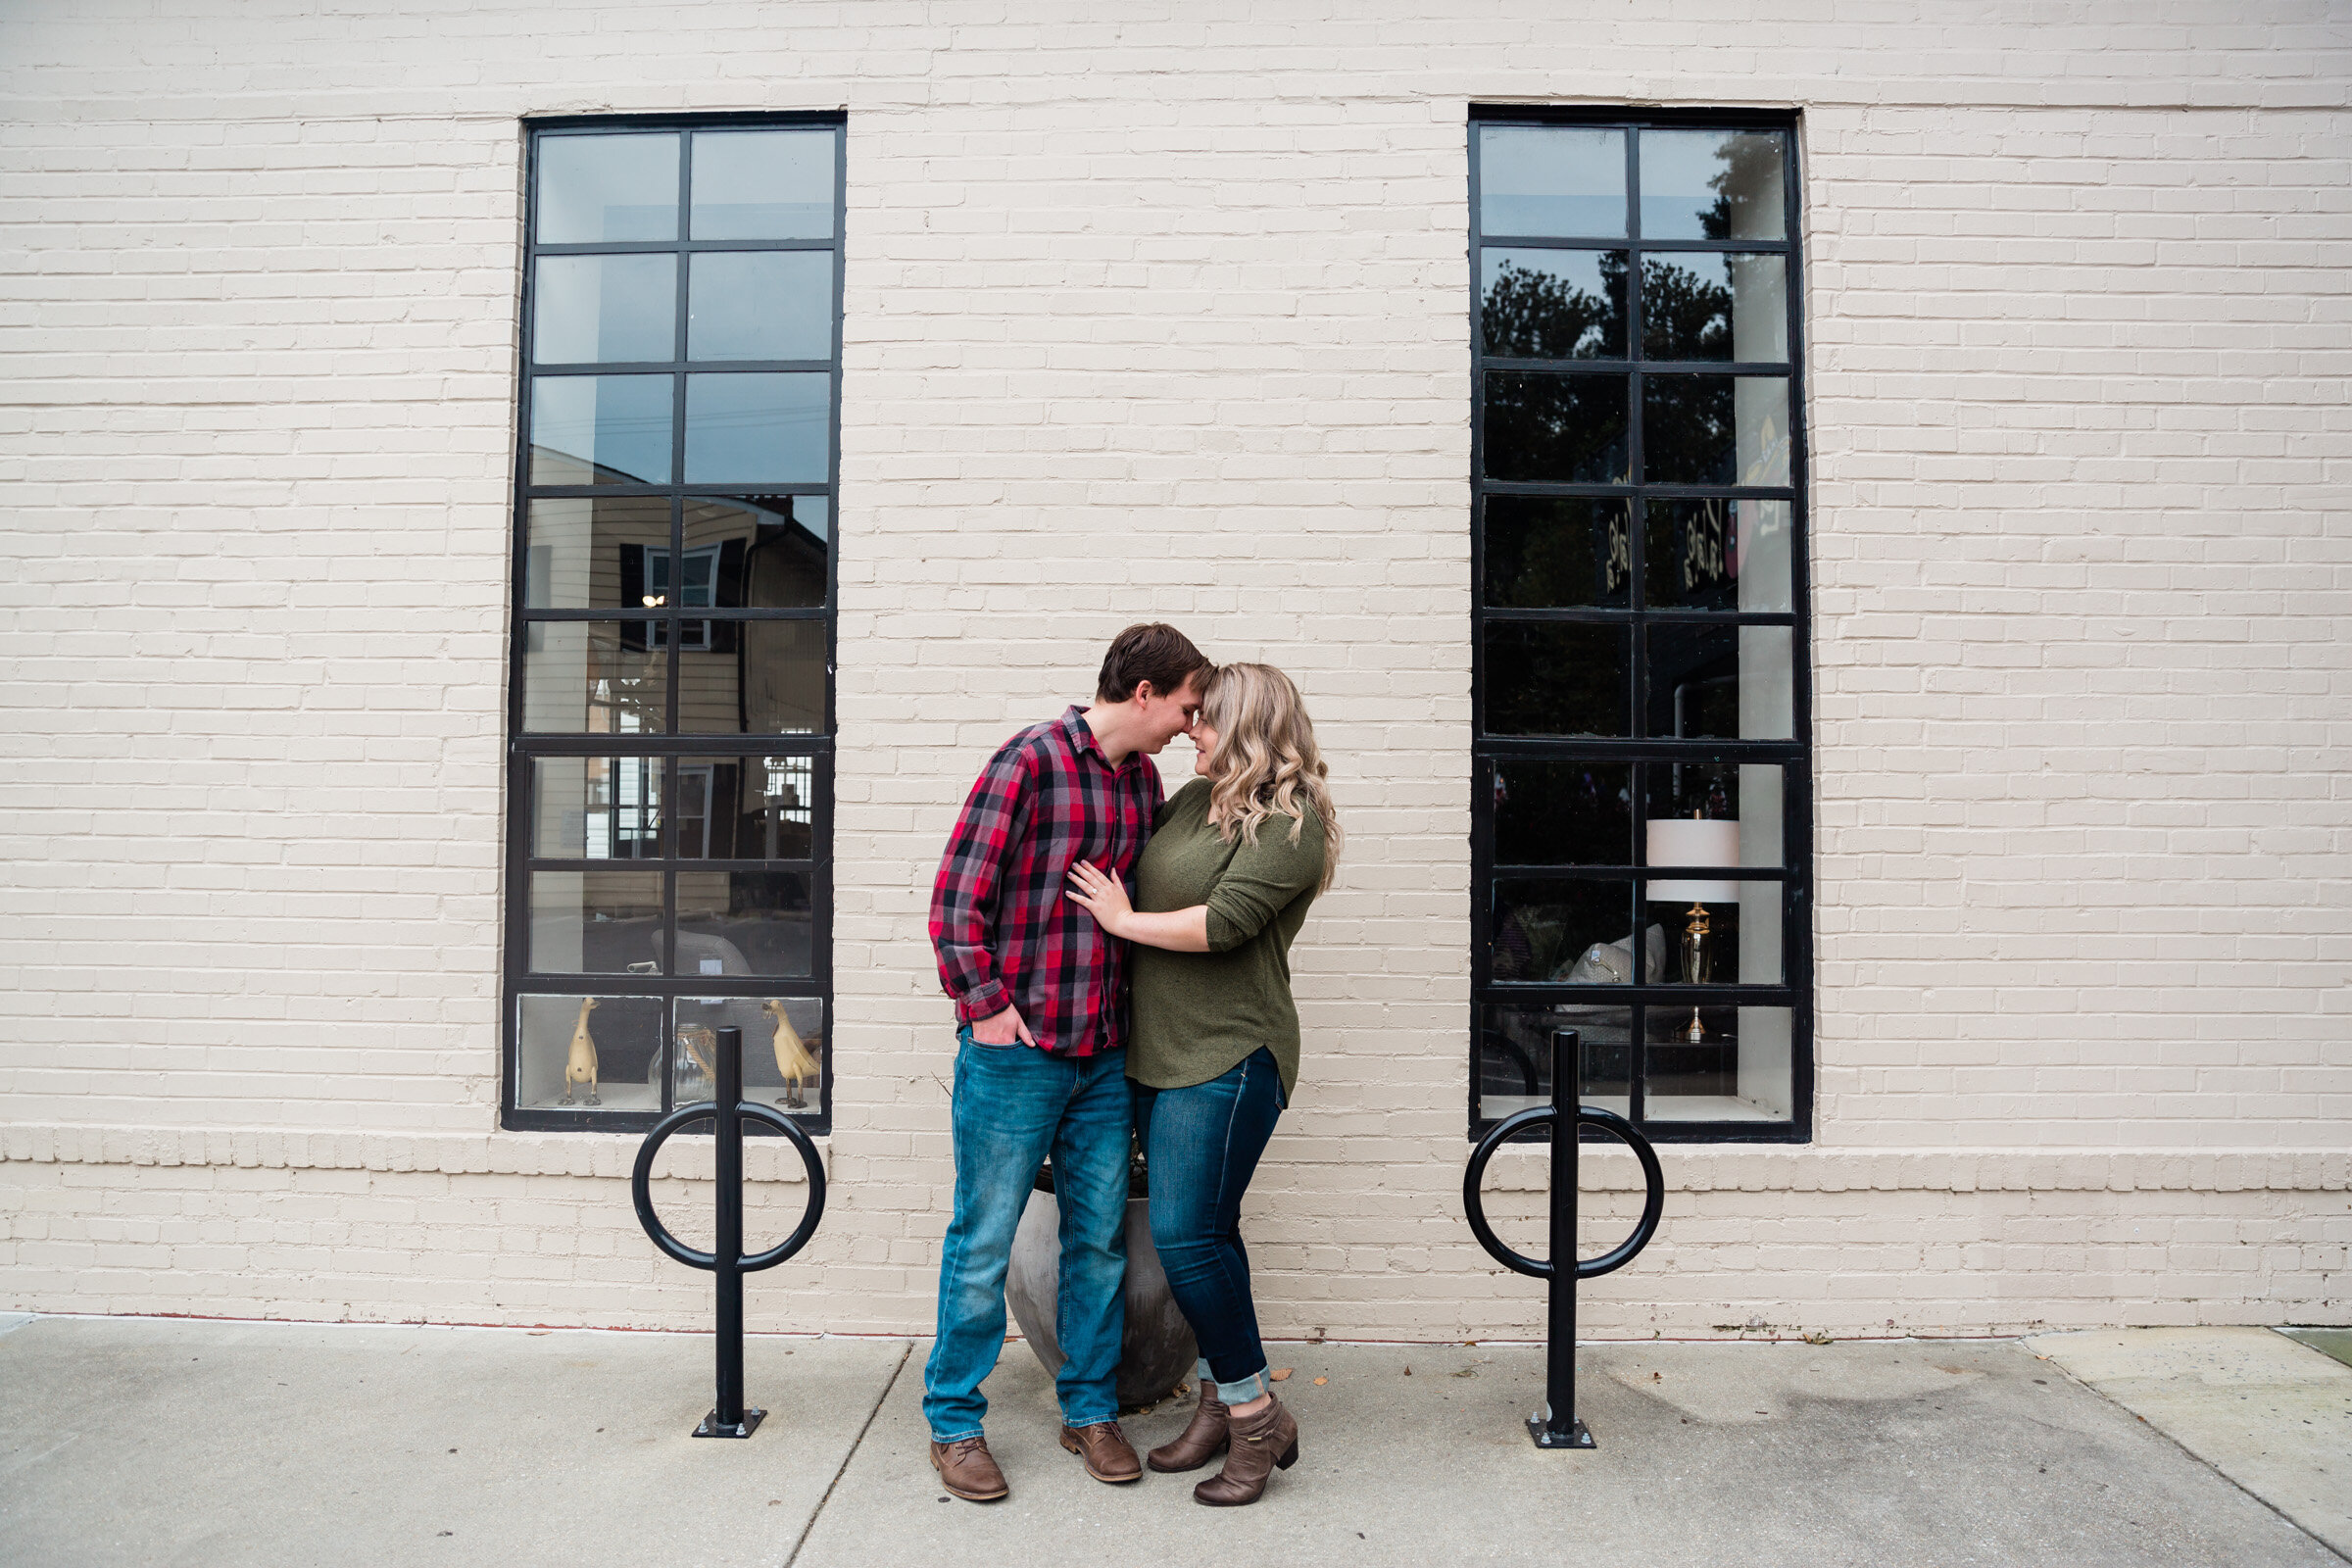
(1679, 841)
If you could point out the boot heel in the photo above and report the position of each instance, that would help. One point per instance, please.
(1290, 1457)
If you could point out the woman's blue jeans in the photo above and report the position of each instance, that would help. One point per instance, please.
(1204, 1144)
(1014, 1105)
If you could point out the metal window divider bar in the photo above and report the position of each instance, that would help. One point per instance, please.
(728, 1110)
(1556, 1425)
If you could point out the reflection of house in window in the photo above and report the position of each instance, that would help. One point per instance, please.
(623, 816)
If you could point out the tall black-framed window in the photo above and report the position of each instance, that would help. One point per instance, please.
(1643, 780)
(670, 704)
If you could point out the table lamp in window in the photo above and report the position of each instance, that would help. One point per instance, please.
(1686, 843)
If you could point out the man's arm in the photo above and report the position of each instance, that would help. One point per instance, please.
(963, 899)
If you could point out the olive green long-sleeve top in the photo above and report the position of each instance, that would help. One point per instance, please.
(1199, 1015)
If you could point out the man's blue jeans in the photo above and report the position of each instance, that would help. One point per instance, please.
(1203, 1144)
(1015, 1104)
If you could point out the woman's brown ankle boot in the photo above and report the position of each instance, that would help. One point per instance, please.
(1260, 1445)
(1198, 1441)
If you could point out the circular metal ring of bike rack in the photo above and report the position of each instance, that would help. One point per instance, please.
(1608, 1121)
(641, 1191)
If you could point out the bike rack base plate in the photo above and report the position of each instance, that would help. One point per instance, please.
(712, 1427)
(1538, 1428)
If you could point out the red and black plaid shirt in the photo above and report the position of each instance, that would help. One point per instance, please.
(1003, 931)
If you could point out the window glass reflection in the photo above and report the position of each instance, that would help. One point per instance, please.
(761, 305)
(594, 923)
(1553, 305)
(1563, 814)
(763, 184)
(1556, 678)
(595, 808)
(1551, 180)
(758, 428)
(1712, 184)
(1736, 1070)
(578, 547)
(600, 309)
(756, 678)
(1708, 788)
(769, 551)
(600, 430)
(590, 677)
(745, 922)
(1557, 428)
(1720, 306)
(783, 1047)
(1571, 931)
(1719, 682)
(1715, 553)
(1547, 551)
(1715, 429)
(607, 187)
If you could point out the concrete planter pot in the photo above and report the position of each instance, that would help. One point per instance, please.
(1157, 1350)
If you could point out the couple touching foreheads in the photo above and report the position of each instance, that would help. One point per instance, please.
(1120, 963)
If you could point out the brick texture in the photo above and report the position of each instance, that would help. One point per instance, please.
(1161, 310)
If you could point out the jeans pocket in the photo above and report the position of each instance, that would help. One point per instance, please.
(964, 1036)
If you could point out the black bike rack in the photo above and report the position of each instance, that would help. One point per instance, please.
(729, 1110)
(1556, 1426)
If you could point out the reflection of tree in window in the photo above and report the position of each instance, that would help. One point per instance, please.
(1683, 316)
(1535, 315)
(1748, 191)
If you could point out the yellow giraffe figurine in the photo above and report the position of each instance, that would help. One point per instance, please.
(792, 1056)
(581, 1069)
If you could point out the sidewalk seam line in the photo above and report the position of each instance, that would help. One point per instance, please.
(856, 1444)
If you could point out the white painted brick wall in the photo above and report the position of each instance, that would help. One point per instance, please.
(1160, 310)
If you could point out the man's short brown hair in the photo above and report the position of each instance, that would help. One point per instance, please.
(1154, 652)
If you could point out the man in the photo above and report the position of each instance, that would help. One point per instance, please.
(1041, 996)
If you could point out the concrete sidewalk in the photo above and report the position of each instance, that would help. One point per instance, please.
(157, 1441)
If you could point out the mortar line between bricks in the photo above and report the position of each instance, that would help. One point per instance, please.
(856, 1442)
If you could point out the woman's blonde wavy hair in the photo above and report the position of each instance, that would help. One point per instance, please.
(1266, 759)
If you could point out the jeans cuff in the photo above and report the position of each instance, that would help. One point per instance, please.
(958, 1438)
(1075, 1422)
(1241, 1393)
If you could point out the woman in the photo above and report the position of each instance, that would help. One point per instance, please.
(1220, 893)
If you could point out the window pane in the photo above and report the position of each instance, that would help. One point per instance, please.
(1715, 553)
(1565, 430)
(596, 187)
(1748, 793)
(1719, 682)
(763, 184)
(746, 808)
(1736, 1071)
(1720, 307)
(1567, 931)
(595, 922)
(600, 430)
(589, 308)
(586, 552)
(1550, 179)
(748, 922)
(755, 677)
(595, 808)
(1715, 429)
(578, 1052)
(771, 549)
(1563, 814)
(1515, 1052)
(1711, 184)
(758, 428)
(761, 305)
(783, 1041)
(593, 677)
(1544, 552)
(1553, 305)
(1556, 678)
(1715, 947)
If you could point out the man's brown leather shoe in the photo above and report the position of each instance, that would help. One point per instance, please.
(968, 1469)
(1262, 1444)
(1106, 1451)
(1200, 1441)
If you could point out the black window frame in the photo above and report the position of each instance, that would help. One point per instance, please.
(1796, 754)
(673, 747)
